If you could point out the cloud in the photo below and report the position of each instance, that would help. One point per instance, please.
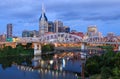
(27, 12)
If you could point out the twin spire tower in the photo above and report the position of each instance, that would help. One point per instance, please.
(43, 22)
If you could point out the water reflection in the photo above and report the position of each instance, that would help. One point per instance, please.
(29, 67)
(62, 64)
(21, 60)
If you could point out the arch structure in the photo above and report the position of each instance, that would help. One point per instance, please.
(112, 39)
(60, 38)
(103, 40)
(94, 39)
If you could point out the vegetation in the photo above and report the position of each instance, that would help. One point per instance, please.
(47, 48)
(106, 66)
(6, 62)
(19, 50)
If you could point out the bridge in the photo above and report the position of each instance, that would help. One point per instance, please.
(69, 38)
(66, 41)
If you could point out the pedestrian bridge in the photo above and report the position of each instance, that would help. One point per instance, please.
(53, 38)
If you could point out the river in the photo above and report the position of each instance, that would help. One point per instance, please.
(32, 67)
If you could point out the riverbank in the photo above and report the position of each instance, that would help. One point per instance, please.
(18, 51)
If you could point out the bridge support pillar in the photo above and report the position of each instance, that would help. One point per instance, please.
(37, 49)
(82, 46)
(119, 48)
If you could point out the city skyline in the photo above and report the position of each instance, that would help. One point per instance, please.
(24, 15)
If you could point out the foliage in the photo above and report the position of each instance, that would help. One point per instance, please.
(19, 50)
(107, 65)
(47, 48)
(92, 65)
(8, 61)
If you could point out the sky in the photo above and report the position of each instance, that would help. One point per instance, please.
(77, 14)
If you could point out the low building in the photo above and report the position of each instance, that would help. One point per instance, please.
(27, 33)
(2, 38)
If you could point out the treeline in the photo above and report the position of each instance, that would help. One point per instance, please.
(106, 66)
(19, 50)
(20, 60)
(47, 48)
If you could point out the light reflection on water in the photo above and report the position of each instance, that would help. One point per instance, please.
(43, 69)
(24, 72)
(58, 64)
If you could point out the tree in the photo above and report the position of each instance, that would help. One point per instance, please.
(47, 48)
(92, 65)
(106, 73)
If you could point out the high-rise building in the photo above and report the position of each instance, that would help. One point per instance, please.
(92, 31)
(66, 29)
(51, 27)
(43, 23)
(58, 26)
(92, 28)
(9, 30)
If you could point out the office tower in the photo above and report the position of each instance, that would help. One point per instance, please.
(92, 31)
(92, 28)
(9, 30)
(51, 27)
(66, 29)
(43, 23)
(58, 26)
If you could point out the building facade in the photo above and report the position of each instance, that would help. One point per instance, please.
(51, 27)
(58, 26)
(2, 38)
(9, 30)
(27, 33)
(43, 23)
(92, 31)
(66, 29)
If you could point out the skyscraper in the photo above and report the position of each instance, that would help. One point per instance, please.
(51, 27)
(43, 23)
(9, 30)
(66, 29)
(92, 31)
(58, 26)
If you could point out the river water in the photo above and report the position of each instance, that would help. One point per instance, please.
(29, 67)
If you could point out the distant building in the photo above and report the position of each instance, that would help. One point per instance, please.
(92, 28)
(66, 29)
(58, 26)
(43, 23)
(92, 31)
(33, 33)
(73, 31)
(51, 26)
(60, 29)
(110, 34)
(9, 30)
(2, 38)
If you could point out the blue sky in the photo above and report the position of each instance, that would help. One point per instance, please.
(78, 14)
